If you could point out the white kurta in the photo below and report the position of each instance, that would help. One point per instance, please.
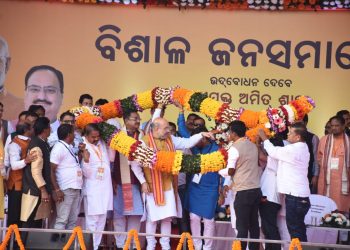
(156, 213)
(172, 207)
(97, 191)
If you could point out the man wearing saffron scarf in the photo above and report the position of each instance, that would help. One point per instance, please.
(333, 158)
(162, 203)
(128, 180)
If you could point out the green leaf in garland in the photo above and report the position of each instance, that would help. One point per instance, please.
(128, 105)
(191, 164)
(106, 130)
(196, 100)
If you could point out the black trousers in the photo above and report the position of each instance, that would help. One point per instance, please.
(246, 207)
(184, 222)
(14, 207)
(31, 223)
(268, 214)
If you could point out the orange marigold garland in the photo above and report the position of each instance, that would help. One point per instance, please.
(236, 245)
(250, 118)
(110, 110)
(295, 243)
(165, 161)
(86, 118)
(132, 234)
(179, 95)
(76, 232)
(12, 228)
(182, 240)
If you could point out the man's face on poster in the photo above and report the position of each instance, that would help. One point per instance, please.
(43, 88)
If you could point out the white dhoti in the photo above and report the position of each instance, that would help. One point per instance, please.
(95, 223)
(156, 213)
(164, 214)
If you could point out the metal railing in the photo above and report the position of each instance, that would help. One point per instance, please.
(76, 245)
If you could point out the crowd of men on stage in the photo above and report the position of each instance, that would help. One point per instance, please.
(49, 164)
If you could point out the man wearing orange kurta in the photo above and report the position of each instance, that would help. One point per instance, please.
(333, 158)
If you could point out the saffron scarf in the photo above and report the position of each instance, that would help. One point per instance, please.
(157, 183)
(125, 173)
(327, 163)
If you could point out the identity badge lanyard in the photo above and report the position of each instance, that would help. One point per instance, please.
(101, 169)
(335, 160)
(79, 172)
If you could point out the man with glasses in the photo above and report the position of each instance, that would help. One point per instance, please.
(128, 181)
(44, 86)
(67, 118)
(13, 104)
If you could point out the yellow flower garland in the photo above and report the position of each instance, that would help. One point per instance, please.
(212, 162)
(295, 243)
(144, 99)
(210, 107)
(12, 228)
(122, 143)
(132, 233)
(76, 232)
(189, 241)
(177, 163)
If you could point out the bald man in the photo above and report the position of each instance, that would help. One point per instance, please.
(162, 202)
(12, 105)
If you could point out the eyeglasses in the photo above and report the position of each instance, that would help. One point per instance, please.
(33, 89)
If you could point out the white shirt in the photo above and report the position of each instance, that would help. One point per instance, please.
(14, 151)
(53, 139)
(114, 122)
(293, 163)
(68, 171)
(6, 150)
(54, 126)
(268, 181)
(233, 155)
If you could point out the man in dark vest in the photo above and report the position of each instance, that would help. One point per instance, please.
(18, 160)
(36, 176)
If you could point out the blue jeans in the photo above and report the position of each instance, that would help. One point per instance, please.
(296, 209)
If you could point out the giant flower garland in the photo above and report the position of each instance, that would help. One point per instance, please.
(272, 120)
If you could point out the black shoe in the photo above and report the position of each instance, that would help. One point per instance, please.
(119, 248)
(55, 237)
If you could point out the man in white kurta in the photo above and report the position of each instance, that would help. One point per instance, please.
(97, 189)
(163, 209)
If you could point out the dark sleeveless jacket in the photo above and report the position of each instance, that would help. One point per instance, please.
(28, 181)
(308, 141)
